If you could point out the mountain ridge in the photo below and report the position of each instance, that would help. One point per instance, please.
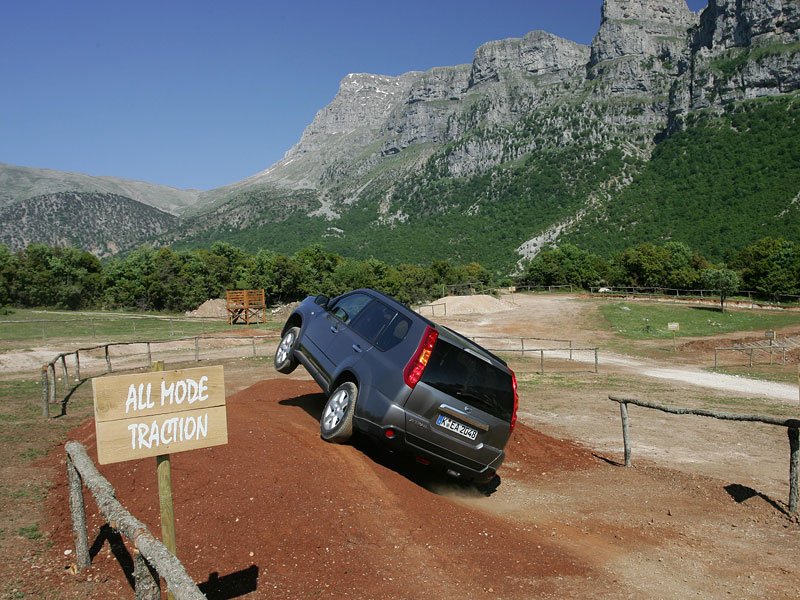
(538, 134)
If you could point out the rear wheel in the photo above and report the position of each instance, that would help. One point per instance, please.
(336, 423)
(285, 362)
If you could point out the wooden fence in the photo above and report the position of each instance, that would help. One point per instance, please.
(792, 428)
(150, 558)
(49, 377)
(565, 349)
(740, 299)
(755, 353)
(433, 308)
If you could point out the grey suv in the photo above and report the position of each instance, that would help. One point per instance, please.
(403, 380)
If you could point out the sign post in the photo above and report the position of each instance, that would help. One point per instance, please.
(673, 327)
(164, 474)
(158, 413)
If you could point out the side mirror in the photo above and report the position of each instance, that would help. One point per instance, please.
(322, 300)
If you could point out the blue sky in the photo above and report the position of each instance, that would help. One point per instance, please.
(201, 93)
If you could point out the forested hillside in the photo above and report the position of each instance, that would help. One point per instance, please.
(103, 223)
(722, 183)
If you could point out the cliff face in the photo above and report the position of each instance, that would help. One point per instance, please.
(742, 49)
(634, 58)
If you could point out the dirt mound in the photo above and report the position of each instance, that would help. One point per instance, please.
(216, 307)
(468, 305)
(277, 510)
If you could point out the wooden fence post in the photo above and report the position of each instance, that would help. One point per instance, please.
(64, 373)
(254, 347)
(146, 583)
(78, 511)
(541, 360)
(596, 360)
(626, 439)
(108, 360)
(77, 365)
(570, 346)
(196, 349)
(794, 452)
(45, 392)
(53, 387)
(149, 355)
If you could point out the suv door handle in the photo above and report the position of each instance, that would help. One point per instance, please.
(334, 329)
(357, 348)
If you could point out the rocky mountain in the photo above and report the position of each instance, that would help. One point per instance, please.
(531, 142)
(540, 139)
(99, 222)
(22, 183)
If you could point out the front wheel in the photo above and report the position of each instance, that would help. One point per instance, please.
(285, 362)
(336, 423)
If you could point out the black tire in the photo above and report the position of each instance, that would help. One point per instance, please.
(285, 361)
(336, 422)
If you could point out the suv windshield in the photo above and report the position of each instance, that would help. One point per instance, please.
(470, 379)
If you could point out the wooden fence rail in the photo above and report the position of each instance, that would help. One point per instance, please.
(792, 429)
(776, 350)
(568, 351)
(49, 376)
(151, 557)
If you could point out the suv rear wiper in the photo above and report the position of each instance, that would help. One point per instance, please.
(481, 399)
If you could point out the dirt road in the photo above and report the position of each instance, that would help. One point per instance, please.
(568, 317)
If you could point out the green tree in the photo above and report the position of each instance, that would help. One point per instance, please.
(60, 277)
(724, 281)
(126, 280)
(234, 267)
(354, 274)
(644, 265)
(566, 264)
(408, 283)
(770, 266)
(8, 272)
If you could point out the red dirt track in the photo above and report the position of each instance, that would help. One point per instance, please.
(279, 513)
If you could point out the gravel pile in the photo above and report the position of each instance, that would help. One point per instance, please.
(477, 304)
(216, 307)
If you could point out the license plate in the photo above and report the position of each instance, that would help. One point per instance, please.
(459, 428)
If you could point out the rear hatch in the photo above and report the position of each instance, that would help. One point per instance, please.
(463, 407)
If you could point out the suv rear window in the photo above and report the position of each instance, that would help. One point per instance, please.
(470, 379)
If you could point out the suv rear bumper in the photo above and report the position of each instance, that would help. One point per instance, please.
(455, 465)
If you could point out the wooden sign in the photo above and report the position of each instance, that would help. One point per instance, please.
(769, 334)
(673, 326)
(151, 414)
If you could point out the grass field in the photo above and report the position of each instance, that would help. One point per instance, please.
(26, 327)
(635, 320)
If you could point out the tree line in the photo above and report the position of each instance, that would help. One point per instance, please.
(770, 267)
(163, 279)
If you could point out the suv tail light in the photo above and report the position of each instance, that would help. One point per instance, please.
(416, 366)
(516, 401)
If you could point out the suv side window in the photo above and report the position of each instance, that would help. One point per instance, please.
(379, 325)
(348, 307)
(394, 332)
